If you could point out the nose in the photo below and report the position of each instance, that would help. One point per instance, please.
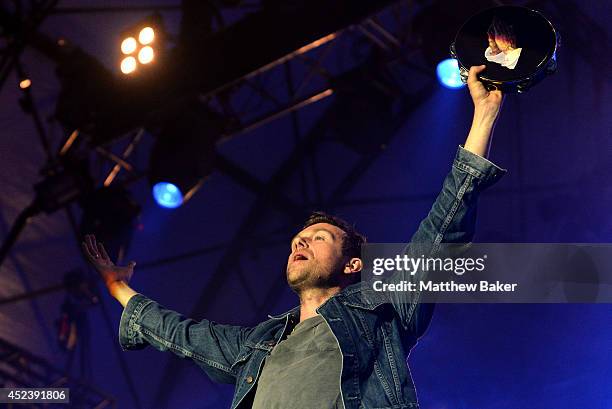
(300, 243)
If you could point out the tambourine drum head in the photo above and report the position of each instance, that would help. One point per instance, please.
(513, 42)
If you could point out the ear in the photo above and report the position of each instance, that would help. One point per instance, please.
(352, 266)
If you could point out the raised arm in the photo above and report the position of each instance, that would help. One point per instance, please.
(452, 217)
(487, 105)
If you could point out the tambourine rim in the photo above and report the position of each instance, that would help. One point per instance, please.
(539, 67)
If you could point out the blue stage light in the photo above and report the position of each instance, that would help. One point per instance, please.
(167, 195)
(448, 74)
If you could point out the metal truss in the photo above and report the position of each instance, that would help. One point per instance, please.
(276, 90)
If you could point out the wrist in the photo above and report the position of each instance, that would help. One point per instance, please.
(485, 115)
(479, 137)
(121, 291)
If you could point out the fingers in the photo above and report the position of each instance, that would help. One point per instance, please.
(132, 264)
(90, 246)
(93, 245)
(87, 252)
(103, 252)
(474, 71)
(87, 243)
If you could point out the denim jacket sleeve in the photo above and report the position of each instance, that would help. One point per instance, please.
(214, 347)
(452, 219)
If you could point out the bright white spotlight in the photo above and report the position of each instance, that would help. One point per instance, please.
(448, 74)
(146, 35)
(145, 55)
(128, 65)
(167, 195)
(128, 46)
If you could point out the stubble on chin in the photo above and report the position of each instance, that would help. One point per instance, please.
(298, 279)
(306, 278)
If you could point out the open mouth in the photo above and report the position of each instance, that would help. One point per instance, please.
(299, 257)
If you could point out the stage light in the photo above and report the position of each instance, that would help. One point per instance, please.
(128, 46)
(144, 41)
(145, 55)
(167, 195)
(128, 65)
(25, 83)
(183, 154)
(146, 35)
(448, 74)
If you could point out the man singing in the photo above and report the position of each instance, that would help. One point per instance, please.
(345, 345)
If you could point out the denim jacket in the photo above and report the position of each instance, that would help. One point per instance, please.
(375, 332)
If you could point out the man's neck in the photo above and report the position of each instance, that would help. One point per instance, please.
(313, 298)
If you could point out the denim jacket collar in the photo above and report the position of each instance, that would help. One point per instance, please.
(294, 312)
(359, 295)
(363, 296)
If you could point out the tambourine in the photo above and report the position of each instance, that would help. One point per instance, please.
(518, 45)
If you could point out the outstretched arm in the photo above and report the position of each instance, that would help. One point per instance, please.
(212, 346)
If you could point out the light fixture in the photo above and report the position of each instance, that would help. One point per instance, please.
(183, 154)
(448, 74)
(167, 195)
(142, 43)
(25, 83)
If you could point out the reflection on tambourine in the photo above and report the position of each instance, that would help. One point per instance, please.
(502, 48)
(518, 45)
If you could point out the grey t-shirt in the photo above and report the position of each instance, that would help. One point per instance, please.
(303, 371)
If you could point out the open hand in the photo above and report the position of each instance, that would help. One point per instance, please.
(99, 259)
(487, 103)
